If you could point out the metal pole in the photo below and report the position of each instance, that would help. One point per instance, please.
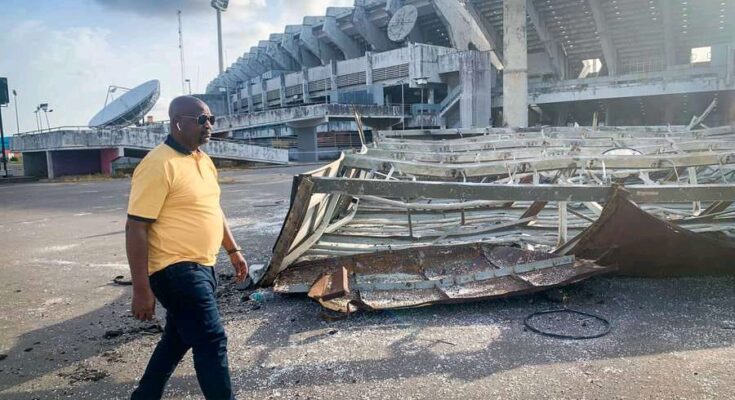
(2, 139)
(219, 41)
(38, 120)
(181, 54)
(17, 120)
(48, 125)
(227, 98)
(422, 108)
(403, 107)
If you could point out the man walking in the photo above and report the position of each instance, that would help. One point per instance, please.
(174, 230)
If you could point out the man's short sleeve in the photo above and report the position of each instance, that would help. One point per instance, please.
(149, 188)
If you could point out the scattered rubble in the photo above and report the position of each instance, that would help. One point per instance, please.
(84, 374)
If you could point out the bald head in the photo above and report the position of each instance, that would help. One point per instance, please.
(185, 105)
(187, 125)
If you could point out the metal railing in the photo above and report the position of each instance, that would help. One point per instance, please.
(158, 127)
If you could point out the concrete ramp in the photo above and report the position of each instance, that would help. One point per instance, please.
(83, 151)
(147, 138)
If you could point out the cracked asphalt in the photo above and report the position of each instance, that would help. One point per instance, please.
(66, 332)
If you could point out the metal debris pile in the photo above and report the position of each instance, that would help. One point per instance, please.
(422, 217)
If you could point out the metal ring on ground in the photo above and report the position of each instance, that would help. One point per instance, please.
(605, 323)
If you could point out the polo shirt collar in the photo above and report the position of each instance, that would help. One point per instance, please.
(171, 142)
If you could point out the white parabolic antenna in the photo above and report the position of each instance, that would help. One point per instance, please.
(130, 107)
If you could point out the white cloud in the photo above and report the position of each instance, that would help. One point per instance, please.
(71, 67)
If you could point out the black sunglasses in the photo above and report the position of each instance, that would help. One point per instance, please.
(202, 119)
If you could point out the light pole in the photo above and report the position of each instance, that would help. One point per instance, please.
(2, 143)
(181, 52)
(43, 107)
(17, 121)
(188, 82)
(38, 119)
(220, 6)
(4, 100)
(48, 124)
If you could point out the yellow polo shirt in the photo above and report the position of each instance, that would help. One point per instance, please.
(177, 192)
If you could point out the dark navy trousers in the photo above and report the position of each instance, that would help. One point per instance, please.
(187, 292)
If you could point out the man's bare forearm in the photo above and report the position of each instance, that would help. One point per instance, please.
(228, 240)
(136, 244)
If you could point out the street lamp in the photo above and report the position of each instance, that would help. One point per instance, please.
(17, 121)
(220, 6)
(188, 82)
(4, 100)
(44, 107)
(38, 119)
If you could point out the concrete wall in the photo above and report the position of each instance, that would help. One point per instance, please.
(539, 64)
(390, 58)
(138, 138)
(310, 114)
(34, 164)
(352, 66)
(76, 162)
(217, 102)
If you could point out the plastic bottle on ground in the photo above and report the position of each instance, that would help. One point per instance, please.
(262, 295)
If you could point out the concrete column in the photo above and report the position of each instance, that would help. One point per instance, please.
(305, 85)
(377, 38)
(467, 28)
(368, 68)
(307, 143)
(515, 74)
(240, 105)
(475, 78)
(348, 47)
(313, 44)
(333, 81)
(107, 156)
(249, 88)
(50, 164)
(264, 93)
(283, 90)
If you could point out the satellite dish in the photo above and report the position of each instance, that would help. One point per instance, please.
(130, 107)
(402, 23)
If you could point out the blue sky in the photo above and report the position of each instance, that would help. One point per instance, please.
(67, 52)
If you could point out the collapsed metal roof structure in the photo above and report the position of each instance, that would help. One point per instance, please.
(421, 217)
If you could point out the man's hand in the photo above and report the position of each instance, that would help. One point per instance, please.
(144, 304)
(239, 265)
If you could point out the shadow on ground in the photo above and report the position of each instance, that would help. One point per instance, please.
(648, 317)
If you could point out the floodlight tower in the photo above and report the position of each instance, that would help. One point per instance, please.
(220, 5)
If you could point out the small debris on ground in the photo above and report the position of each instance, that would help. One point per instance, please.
(84, 374)
(113, 333)
(120, 280)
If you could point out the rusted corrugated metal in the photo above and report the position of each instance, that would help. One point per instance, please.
(373, 229)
